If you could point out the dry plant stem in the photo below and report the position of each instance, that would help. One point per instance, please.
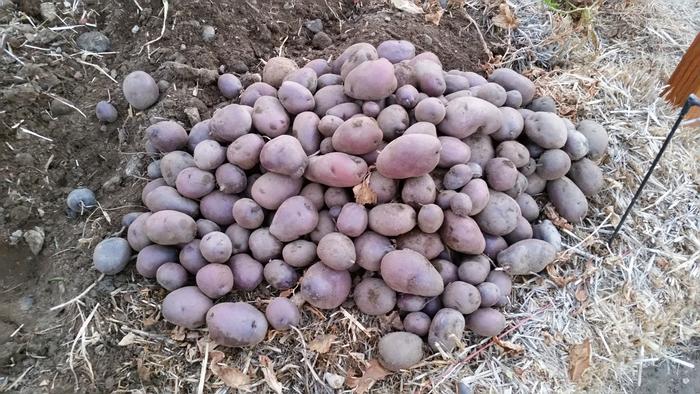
(79, 296)
(306, 357)
(81, 336)
(162, 30)
(66, 102)
(98, 68)
(203, 371)
(19, 379)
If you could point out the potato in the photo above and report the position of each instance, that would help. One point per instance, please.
(172, 163)
(276, 69)
(336, 169)
(474, 269)
(587, 176)
(280, 275)
(186, 307)
(236, 324)
(522, 231)
(501, 173)
(320, 66)
(403, 71)
(209, 155)
(392, 219)
(417, 323)
(170, 227)
(407, 271)
(447, 270)
(230, 122)
(215, 280)
(314, 192)
(218, 207)
(171, 276)
(231, 179)
(372, 108)
(504, 283)
(422, 128)
(419, 190)
(458, 94)
(528, 207)
(446, 329)
(192, 182)
(529, 168)
(400, 350)
(462, 234)
(409, 156)
(325, 226)
(166, 197)
(130, 218)
(336, 196)
(597, 138)
(371, 80)
(514, 151)
(461, 296)
(455, 83)
(270, 117)
(576, 144)
(357, 136)
(153, 170)
(396, 50)
(111, 255)
(281, 313)
(370, 248)
(385, 188)
(357, 57)
(465, 116)
(329, 124)
(546, 231)
(140, 90)
(491, 92)
(336, 250)
(244, 152)
(328, 80)
(271, 189)
(305, 77)
(410, 302)
(482, 149)
(216, 247)
(461, 205)
(430, 78)
(263, 245)
(295, 98)
(407, 96)
(430, 218)
(350, 52)
(305, 129)
(511, 80)
(153, 256)
(553, 164)
(478, 193)
(229, 85)
(500, 216)
(534, 149)
(427, 244)
(299, 253)
(328, 97)
(486, 322)
(543, 104)
(373, 297)
(432, 306)
(191, 257)
(284, 155)
(513, 99)
(526, 256)
(345, 110)
(252, 93)
(239, 237)
(490, 294)
(324, 287)
(444, 198)
(453, 152)
(430, 110)
(167, 136)
(546, 130)
(294, 218)
(247, 272)
(353, 220)
(535, 184)
(519, 187)
(248, 214)
(393, 121)
(568, 199)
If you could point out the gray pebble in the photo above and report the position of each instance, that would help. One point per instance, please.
(135, 29)
(47, 11)
(93, 41)
(26, 303)
(111, 255)
(112, 183)
(238, 67)
(321, 40)
(314, 26)
(81, 199)
(208, 33)
(105, 112)
(58, 108)
(25, 159)
(163, 85)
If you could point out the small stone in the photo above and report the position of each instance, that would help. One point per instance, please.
(387, 19)
(58, 108)
(321, 40)
(183, 47)
(333, 380)
(424, 39)
(78, 75)
(26, 303)
(208, 33)
(16, 236)
(25, 159)
(238, 67)
(112, 183)
(135, 29)
(163, 85)
(249, 79)
(314, 26)
(93, 41)
(47, 11)
(35, 239)
(193, 115)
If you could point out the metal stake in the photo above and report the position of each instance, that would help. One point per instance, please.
(690, 102)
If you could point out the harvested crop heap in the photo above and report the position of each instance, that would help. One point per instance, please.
(377, 174)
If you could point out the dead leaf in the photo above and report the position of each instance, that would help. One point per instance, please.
(287, 293)
(364, 193)
(322, 343)
(177, 334)
(407, 6)
(269, 374)
(232, 377)
(435, 17)
(553, 215)
(505, 18)
(581, 293)
(559, 280)
(371, 375)
(128, 339)
(333, 380)
(579, 359)
(508, 347)
(143, 371)
(391, 321)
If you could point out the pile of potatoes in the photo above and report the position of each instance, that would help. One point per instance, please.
(377, 176)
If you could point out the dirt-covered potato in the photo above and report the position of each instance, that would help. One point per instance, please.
(269, 117)
(504, 283)
(393, 121)
(482, 148)
(528, 207)
(295, 98)
(231, 179)
(587, 176)
(432, 306)
(494, 244)
(280, 275)
(186, 307)
(244, 152)
(526, 256)
(236, 324)
(410, 302)
(320, 66)
(523, 230)
(167, 136)
(419, 190)
(167, 198)
(501, 173)
(230, 122)
(229, 85)
(215, 280)
(486, 322)
(252, 93)
(357, 136)
(305, 77)
(385, 188)
(491, 92)
(407, 271)
(276, 69)
(373, 297)
(461, 296)
(247, 272)
(407, 96)
(314, 192)
(461, 205)
(543, 104)
(345, 111)
(453, 152)
(281, 313)
(151, 257)
(370, 248)
(430, 78)
(271, 189)
(511, 80)
(547, 232)
(576, 144)
(140, 90)
(371, 80)
(490, 294)
(446, 329)
(172, 163)
(263, 245)
(191, 257)
(500, 216)
(514, 151)
(392, 219)
(409, 156)
(403, 71)
(170, 227)
(353, 219)
(400, 350)
(396, 50)
(427, 244)
(546, 129)
(478, 193)
(430, 110)
(597, 138)
(299, 253)
(372, 108)
(465, 116)
(218, 207)
(337, 251)
(417, 323)
(474, 269)
(568, 199)
(111, 255)
(462, 234)
(553, 164)
(324, 287)
(430, 218)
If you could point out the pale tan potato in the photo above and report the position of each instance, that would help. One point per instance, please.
(409, 156)
(276, 69)
(546, 130)
(392, 219)
(373, 297)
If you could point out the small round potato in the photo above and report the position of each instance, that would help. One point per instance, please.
(236, 324)
(294, 218)
(446, 328)
(370, 248)
(486, 322)
(400, 350)
(490, 294)
(167, 136)
(430, 110)
(417, 323)
(230, 122)
(280, 275)
(384, 188)
(276, 69)
(247, 272)
(248, 214)
(140, 90)
(478, 193)
(295, 98)
(419, 190)
(428, 245)
(494, 244)
(252, 93)
(392, 219)
(263, 245)
(393, 121)
(215, 280)
(337, 251)
(474, 269)
(461, 296)
(553, 164)
(171, 276)
(245, 151)
(217, 206)
(410, 302)
(501, 173)
(229, 85)
(462, 234)
(281, 313)
(216, 247)
(172, 163)
(357, 136)
(373, 297)
(587, 176)
(353, 220)
(430, 218)
(299, 253)
(271, 189)
(597, 138)
(324, 287)
(186, 307)
(192, 182)
(500, 216)
(453, 152)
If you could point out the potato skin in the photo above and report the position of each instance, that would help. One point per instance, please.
(486, 322)
(263, 245)
(328, 97)
(430, 110)
(230, 122)
(324, 287)
(353, 219)
(136, 234)
(446, 328)
(186, 307)
(111, 255)
(576, 144)
(194, 183)
(523, 230)
(281, 313)
(462, 234)
(269, 117)
(284, 155)
(400, 350)
(553, 164)
(511, 80)
(430, 218)
(336, 169)
(465, 116)
(295, 98)
(407, 271)
(526, 256)
(453, 152)
(392, 219)
(167, 136)
(568, 199)
(396, 50)
(427, 244)
(276, 69)
(409, 156)
(370, 248)
(478, 193)
(357, 136)
(171, 276)
(597, 138)
(271, 189)
(169, 227)
(280, 275)
(494, 244)
(500, 215)
(393, 121)
(381, 74)
(244, 152)
(299, 253)
(501, 174)
(252, 93)
(490, 294)
(385, 188)
(504, 283)
(546, 129)
(587, 176)
(236, 324)
(172, 163)
(547, 232)
(294, 218)
(191, 257)
(461, 296)
(417, 323)
(140, 90)
(218, 207)
(373, 297)
(305, 129)
(419, 190)
(528, 207)
(166, 197)
(474, 269)
(336, 250)
(215, 280)
(247, 272)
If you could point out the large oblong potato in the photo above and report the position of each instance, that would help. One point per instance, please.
(396, 50)
(407, 271)
(511, 80)
(324, 287)
(546, 129)
(400, 350)
(169, 227)
(568, 199)
(392, 219)
(186, 307)
(269, 117)
(336, 169)
(526, 256)
(236, 324)
(486, 322)
(446, 329)
(409, 156)
(295, 98)
(500, 216)
(167, 136)
(294, 218)
(357, 136)
(284, 155)
(166, 197)
(587, 176)
(462, 234)
(465, 116)
(305, 129)
(371, 80)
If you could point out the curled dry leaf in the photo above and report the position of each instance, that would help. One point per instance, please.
(363, 193)
(506, 18)
(558, 221)
(581, 293)
(508, 347)
(559, 280)
(579, 359)
(372, 374)
(232, 377)
(322, 343)
(269, 374)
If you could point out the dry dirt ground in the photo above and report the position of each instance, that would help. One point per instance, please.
(634, 303)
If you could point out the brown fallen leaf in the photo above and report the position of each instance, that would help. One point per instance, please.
(559, 280)
(322, 343)
(553, 215)
(143, 371)
(269, 374)
(508, 347)
(364, 193)
(505, 18)
(579, 359)
(371, 375)
(177, 334)
(434, 12)
(581, 293)
(128, 339)
(232, 377)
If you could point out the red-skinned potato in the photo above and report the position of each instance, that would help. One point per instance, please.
(372, 108)
(305, 129)
(167, 136)
(500, 173)
(167, 198)
(486, 322)
(247, 272)
(407, 271)
(186, 307)
(244, 152)
(403, 71)
(217, 206)
(568, 199)
(194, 183)
(236, 324)
(351, 51)
(543, 104)
(535, 184)
(392, 219)
(513, 99)
(400, 350)
(504, 283)
(281, 313)
(430, 110)
(465, 116)
(252, 93)
(512, 124)
(462, 234)
(248, 214)
(324, 287)
(152, 257)
(430, 218)
(587, 176)
(576, 144)
(215, 280)
(490, 294)
(447, 270)
(170, 228)
(359, 56)
(299, 253)
(280, 275)
(271, 189)
(284, 155)
(276, 69)
(422, 128)
(455, 83)
(295, 98)
(381, 74)
(453, 152)
(329, 124)
(500, 216)
(385, 188)
(230, 122)
(269, 117)
(491, 92)
(373, 297)
(353, 219)
(410, 302)
(396, 50)
(229, 85)
(171, 276)
(263, 245)
(446, 328)
(328, 80)
(429, 76)
(231, 179)
(474, 269)
(526, 256)
(294, 218)
(370, 248)
(357, 136)
(393, 121)
(325, 226)
(336, 169)
(427, 244)
(315, 193)
(409, 156)
(336, 197)
(461, 205)
(172, 163)
(511, 80)
(407, 96)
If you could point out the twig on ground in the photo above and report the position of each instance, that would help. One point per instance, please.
(79, 296)
(162, 30)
